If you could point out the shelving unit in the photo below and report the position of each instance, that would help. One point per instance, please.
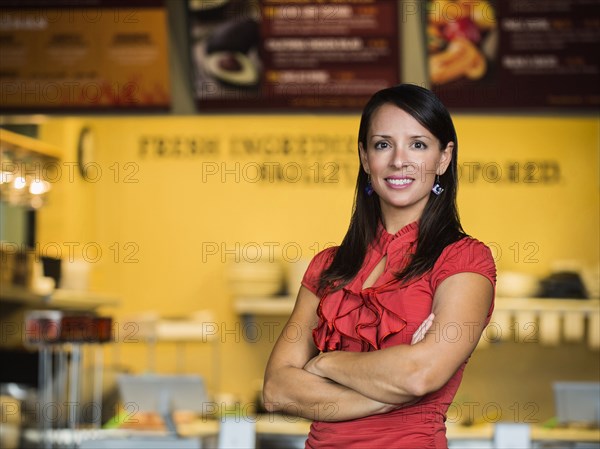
(283, 305)
(548, 305)
(59, 299)
(547, 321)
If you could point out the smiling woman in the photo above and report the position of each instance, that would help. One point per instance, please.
(402, 159)
(375, 364)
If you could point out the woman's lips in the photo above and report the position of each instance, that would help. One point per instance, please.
(399, 183)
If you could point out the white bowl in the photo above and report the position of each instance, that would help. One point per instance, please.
(259, 269)
(512, 284)
(255, 288)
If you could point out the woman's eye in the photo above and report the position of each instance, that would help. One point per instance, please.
(419, 145)
(381, 145)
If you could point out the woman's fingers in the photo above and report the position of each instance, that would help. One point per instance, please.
(422, 330)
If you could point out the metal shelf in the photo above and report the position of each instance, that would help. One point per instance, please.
(59, 299)
(20, 143)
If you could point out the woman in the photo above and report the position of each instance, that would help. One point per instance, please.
(389, 318)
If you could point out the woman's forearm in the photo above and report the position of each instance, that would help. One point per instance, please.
(297, 392)
(293, 390)
(362, 373)
(367, 374)
(461, 304)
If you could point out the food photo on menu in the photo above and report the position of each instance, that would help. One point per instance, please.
(462, 40)
(225, 36)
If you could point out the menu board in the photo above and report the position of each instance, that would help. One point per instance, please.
(514, 54)
(294, 54)
(95, 55)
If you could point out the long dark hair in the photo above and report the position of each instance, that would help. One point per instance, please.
(439, 224)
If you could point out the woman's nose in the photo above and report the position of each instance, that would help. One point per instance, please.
(398, 158)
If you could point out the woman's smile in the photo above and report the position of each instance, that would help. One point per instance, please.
(398, 182)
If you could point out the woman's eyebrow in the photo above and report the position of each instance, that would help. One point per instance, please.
(385, 136)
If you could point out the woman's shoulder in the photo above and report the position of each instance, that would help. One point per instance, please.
(468, 247)
(323, 258)
(316, 266)
(467, 254)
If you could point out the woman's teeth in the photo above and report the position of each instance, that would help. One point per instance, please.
(399, 182)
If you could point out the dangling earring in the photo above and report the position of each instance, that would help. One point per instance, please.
(369, 187)
(437, 188)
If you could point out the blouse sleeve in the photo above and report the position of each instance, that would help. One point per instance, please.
(316, 266)
(465, 255)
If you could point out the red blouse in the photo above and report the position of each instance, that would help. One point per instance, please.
(384, 315)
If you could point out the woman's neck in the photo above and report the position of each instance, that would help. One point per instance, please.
(395, 219)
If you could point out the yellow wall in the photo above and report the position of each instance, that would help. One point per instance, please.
(161, 222)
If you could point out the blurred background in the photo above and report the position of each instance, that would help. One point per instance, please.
(169, 169)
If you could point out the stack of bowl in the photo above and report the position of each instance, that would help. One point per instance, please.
(257, 275)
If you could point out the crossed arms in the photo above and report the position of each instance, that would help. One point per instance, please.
(341, 385)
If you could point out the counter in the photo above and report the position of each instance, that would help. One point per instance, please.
(273, 424)
(277, 431)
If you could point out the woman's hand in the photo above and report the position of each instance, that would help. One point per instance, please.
(311, 365)
(422, 330)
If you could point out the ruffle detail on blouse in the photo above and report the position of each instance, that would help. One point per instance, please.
(358, 316)
(406, 235)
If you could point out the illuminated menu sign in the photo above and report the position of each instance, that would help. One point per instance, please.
(293, 55)
(515, 54)
(83, 56)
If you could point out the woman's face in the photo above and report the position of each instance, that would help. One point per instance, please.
(403, 158)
